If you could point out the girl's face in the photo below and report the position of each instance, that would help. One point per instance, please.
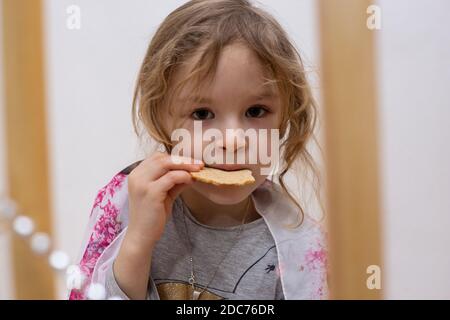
(236, 99)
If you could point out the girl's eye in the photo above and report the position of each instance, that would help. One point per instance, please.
(202, 114)
(255, 112)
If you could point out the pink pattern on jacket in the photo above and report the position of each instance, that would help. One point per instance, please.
(105, 230)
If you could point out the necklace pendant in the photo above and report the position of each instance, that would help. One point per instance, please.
(195, 294)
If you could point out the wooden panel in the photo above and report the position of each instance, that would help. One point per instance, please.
(349, 96)
(27, 163)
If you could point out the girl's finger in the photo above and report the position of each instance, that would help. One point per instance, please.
(159, 165)
(171, 179)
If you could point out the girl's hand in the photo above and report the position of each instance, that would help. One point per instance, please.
(152, 188)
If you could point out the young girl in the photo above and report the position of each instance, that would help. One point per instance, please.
(154, 232)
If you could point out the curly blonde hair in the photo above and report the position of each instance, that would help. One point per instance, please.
(207, 26)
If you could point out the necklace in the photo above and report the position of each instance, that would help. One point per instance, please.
(196, 293)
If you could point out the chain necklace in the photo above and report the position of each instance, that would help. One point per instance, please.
(195, 293)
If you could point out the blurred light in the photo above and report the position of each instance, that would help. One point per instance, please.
(59, 260)
(40, 243)
(8, 208)
(96, 291)
(74, 277)
(23, 226)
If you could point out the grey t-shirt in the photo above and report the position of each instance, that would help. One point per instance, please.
(248, 271)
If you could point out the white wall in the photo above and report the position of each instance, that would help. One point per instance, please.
(414, 78)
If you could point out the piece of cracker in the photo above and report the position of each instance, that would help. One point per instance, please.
(222, 177)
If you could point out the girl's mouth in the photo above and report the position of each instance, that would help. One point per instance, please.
(228, 167)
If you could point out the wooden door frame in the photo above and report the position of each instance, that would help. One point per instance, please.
(26, 139)
(350, 112)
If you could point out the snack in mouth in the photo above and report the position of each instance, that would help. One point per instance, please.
(224, 178)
